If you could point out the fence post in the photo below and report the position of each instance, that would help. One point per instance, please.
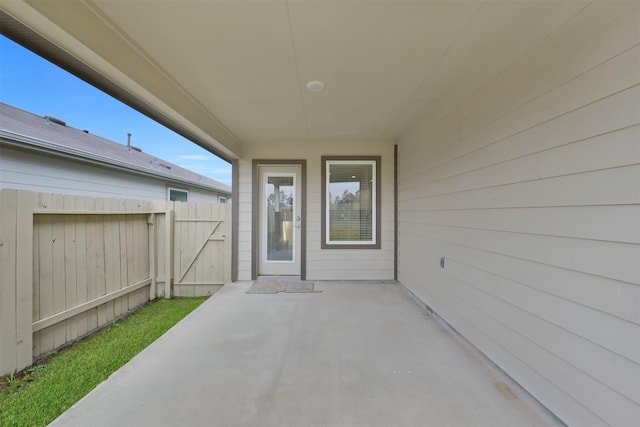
(151, 222)
(168, 248)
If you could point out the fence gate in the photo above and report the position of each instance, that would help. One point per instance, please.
(202, 241)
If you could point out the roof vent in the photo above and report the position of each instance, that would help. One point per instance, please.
(51, 119)
(164, 165)
(131, 147)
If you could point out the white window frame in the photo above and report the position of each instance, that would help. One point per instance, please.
(374, 243)
(181, 190)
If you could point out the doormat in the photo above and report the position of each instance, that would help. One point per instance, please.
(274, 284)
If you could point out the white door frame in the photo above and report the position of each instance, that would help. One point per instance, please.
(255, 197)
(279, 242)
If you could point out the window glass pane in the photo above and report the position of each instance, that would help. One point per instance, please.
(280, 193)
(351, 201)
(177, 195)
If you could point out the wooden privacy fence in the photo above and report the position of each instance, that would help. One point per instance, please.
(72, 264)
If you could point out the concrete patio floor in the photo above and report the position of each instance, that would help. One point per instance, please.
(357, 354)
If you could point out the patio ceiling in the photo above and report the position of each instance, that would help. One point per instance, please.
(226, 73)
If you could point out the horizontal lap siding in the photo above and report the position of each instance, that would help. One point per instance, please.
(530, 189)
(22, 170)
(245, 221)
(323, 264)
(36, 172)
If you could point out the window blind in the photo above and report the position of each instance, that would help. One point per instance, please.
(351, 188)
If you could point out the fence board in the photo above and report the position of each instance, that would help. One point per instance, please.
(130, 261)
(45, 272)
(101, 311)
(70, 262)
(137, 256)
(24, 278)
(8, 214)
(188, 235)
(124, 271)
(112, 261)
(92, 280)
(82, 319)
(193, 241)
(225, 257)
(181, 236)
(142, 250)
(203, 212)
(58, 268)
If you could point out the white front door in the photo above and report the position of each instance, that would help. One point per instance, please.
(280, 220)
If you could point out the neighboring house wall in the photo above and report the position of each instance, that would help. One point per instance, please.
(530, 189)
(323, 264)
(24, 170)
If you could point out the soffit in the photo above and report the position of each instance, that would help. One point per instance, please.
(236, 70)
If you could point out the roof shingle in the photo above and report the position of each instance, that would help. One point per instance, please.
(36, 132)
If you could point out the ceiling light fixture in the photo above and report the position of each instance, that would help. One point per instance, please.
(315, 85)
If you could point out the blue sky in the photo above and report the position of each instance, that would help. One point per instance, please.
(33, 84)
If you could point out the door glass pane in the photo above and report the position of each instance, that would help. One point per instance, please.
(280, 194)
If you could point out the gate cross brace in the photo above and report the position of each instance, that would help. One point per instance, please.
(193, 260)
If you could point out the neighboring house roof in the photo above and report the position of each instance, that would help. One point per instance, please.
(47, 134)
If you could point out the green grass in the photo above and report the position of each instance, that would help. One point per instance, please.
(41, 393)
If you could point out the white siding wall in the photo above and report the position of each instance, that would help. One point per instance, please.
(22, 170)
(531, 191)
(323, 264)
